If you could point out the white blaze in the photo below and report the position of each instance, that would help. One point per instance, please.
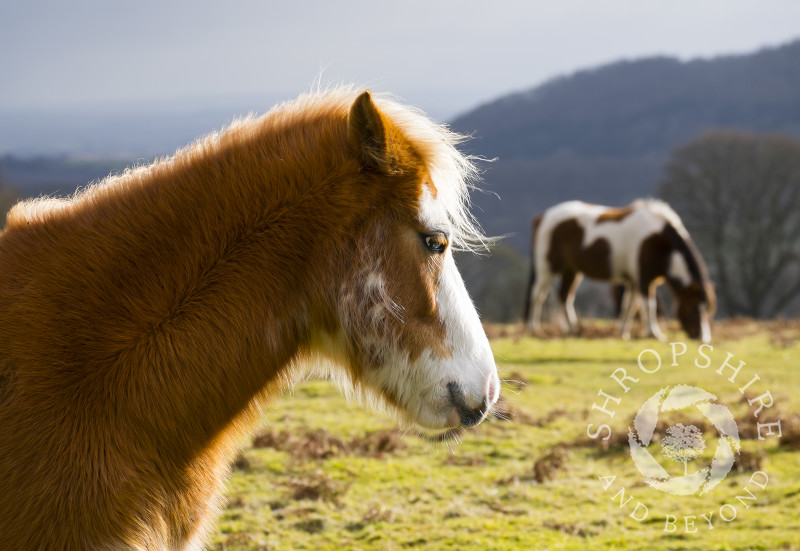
(471, 364)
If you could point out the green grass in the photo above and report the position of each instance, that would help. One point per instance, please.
(484, 493)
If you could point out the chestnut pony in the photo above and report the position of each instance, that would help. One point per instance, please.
(145, 320)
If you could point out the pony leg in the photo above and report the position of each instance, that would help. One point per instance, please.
(652, 317)
(569, 285)
(632, 303)
(540, 291)
(626, 296)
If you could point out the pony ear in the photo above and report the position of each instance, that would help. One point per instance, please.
(367, 133)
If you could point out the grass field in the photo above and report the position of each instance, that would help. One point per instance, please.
(328, 474)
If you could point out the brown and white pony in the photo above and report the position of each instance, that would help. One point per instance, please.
(144, 321)
(639, 246)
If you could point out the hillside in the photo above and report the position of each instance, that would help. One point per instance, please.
(603, 134)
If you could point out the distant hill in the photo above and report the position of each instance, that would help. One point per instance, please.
(603, 134)
(59, 176)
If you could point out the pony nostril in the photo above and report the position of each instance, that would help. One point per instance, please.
(469, 417)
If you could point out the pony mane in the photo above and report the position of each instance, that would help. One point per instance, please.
(662, 210)
(453, 173)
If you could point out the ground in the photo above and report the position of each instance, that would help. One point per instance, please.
(327, 474)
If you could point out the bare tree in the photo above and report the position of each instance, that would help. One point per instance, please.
(739, 196)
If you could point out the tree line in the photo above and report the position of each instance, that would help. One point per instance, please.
(738, 194)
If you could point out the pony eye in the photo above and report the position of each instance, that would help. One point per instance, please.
(435, 243)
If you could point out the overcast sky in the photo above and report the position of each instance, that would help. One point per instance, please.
(444, 56)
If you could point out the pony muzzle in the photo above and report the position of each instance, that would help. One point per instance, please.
(462, 414)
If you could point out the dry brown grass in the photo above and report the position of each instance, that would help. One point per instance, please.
(590, 329)
(465, 460)
(320, 444)
(379, 513)
(316, 486)
(544, 468)
(503, 409)
(579, 528)
(790, 429)
(783, 333)
(749, 461)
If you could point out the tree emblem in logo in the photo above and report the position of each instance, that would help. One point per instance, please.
(683, 443)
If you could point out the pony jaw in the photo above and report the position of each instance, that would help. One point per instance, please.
(449, 384)
(419, 387)
(403, 389)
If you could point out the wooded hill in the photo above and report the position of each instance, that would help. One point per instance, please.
(603, 134)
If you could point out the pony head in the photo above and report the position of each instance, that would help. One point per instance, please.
(695, 308)
(406, 327)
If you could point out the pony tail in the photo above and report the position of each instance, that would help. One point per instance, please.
(532, 275)
(529, 289)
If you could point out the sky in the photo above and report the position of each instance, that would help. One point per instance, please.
(443, 56)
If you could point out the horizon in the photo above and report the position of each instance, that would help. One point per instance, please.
(194, 103)
(89, 73)
(90, 53)
(157, 127)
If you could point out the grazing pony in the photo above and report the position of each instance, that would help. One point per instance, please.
(639, 246)
(144, 321)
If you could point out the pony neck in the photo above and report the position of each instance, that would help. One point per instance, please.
(685, 247)
(251, 294)
(199, 287)
(147, 318)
